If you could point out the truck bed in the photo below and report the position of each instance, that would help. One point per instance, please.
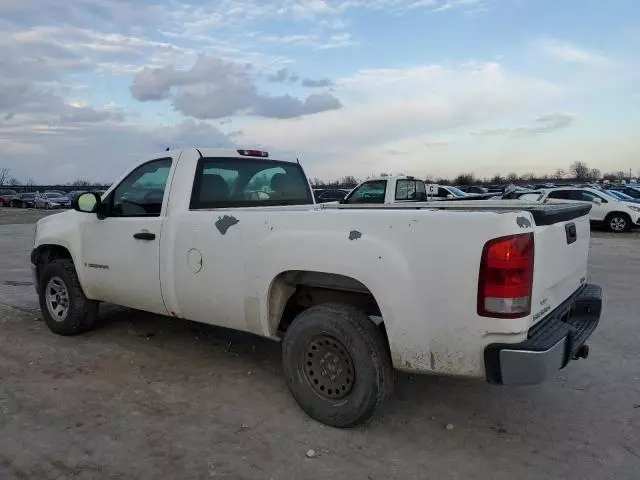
(542, 214)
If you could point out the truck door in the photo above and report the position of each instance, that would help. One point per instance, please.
(121, 247)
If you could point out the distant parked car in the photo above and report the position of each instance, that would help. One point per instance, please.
(622, 196)
(616, 215)
(631, 190)
(52, 200)
(24, 200)
(6, 196)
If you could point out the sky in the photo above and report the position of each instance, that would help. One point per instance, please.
(432, 88)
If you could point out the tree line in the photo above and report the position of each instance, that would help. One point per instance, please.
(8, 180)
(578, 172)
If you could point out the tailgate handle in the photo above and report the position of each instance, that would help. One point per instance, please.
(572, 233)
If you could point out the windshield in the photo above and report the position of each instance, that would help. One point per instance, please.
(457, 192)
(620, 195)
(52, 195)
(606, 195)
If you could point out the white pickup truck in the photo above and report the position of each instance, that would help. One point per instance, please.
(496, 290)
(402, 188)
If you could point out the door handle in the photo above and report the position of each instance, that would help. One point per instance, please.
(144, 236)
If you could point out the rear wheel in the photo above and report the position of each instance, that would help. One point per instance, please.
(65, 308)
(618, 222)
(336, 364)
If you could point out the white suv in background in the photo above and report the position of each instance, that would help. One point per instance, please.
(616, 215)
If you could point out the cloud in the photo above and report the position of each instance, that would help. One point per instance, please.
(85, 114)
(570, 53)
(339, 40)
(99, 151)
(451, 4)
(390, 105)
(544, 124)
(286, 106)
(283, 75)
(215, 88)
(319, 83)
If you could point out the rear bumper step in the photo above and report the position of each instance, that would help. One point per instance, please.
(550, 344)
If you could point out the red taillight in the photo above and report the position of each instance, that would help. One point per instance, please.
(506, 277)
(253, 153)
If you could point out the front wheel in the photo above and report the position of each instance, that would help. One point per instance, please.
(65, 308)
(336, 364)
(618, 223)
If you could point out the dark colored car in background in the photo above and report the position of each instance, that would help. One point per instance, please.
(6, 196)
(24, 200)
(472, 189)
(631, 190)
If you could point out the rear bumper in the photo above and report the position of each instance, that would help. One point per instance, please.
(550, 344)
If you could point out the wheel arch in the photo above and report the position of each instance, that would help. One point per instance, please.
(293, 291)
(46, 253)
(626, 216)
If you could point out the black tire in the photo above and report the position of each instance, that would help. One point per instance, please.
(618, 223)
(82, 312)
(360, 390)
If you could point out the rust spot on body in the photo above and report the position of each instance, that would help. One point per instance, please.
(223, 224)
(523, 222)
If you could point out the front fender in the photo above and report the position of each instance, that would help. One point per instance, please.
(62, 230)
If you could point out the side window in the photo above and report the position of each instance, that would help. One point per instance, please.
(141, 193)
(585, 196)
(562, 195)
(232, 182)
(369, 192)
(442, 193)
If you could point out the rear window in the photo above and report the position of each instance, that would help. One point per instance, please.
(233, 182)
(410, 190)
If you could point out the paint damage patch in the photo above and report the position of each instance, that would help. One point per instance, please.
(354, 235)
(523, 222)
(225, 223)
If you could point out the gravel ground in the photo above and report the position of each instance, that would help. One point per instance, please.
(146, 397)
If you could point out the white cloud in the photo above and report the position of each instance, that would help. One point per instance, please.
(215, 88)
(388, 106)
(544, 124)
(100, 151)
(570, 53)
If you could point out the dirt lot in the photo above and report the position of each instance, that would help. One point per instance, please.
(145, 397)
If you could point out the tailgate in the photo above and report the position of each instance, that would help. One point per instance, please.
(560, 268)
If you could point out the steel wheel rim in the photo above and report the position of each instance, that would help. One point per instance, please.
(57, 297)
(618, 224)
(328, 367)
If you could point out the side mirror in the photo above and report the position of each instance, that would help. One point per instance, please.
(597, 201)
(450, 195)
(87, 203)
